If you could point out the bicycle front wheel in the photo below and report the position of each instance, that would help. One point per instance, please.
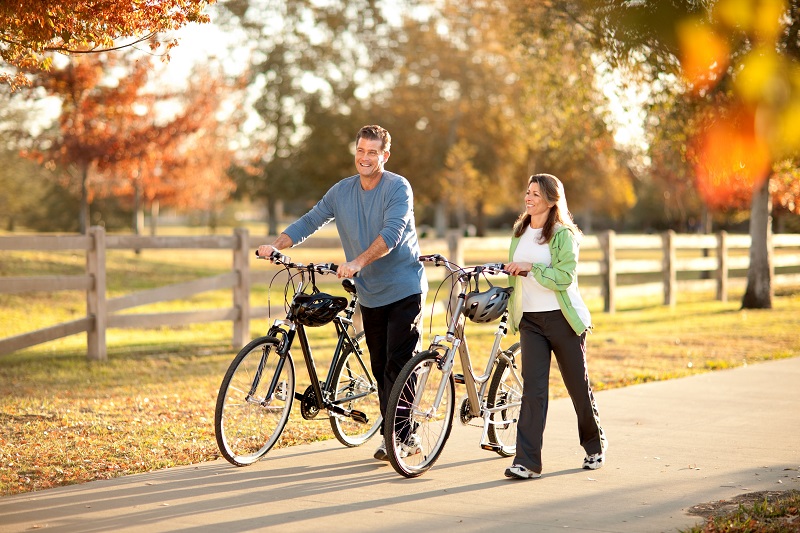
(504, 402)
(417, 426)
(354, 388)
(249, 417)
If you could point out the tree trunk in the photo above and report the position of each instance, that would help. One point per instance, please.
(440, 219)
(83, 222)
(480, 219)
(154, 206)
(758, 294)
(213, 220)
(707, 221)
(272, 215)
(138, 204)
(138, 212)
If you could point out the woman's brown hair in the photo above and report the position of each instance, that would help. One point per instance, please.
(553, 193)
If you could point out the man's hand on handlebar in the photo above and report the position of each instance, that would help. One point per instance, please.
(265, 251)
(348, 270)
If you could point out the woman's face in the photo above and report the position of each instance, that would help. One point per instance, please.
(535, 204)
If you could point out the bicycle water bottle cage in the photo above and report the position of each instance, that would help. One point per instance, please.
(487, 305)
(317, 309)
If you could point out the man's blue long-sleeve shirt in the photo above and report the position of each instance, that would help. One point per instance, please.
(388, 211)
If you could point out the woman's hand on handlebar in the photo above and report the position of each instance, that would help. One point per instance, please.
(518, 268)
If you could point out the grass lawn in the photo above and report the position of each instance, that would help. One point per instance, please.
(66, 420)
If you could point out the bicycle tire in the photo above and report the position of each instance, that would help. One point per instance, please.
(247, 428)
(353, 376)
(432, 428)
(502, 391)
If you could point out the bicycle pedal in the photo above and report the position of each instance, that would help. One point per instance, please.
(359, 416)
(459, 378)
(491, 447)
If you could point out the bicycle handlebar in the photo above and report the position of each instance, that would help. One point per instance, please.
(320, 268)
(489, 268)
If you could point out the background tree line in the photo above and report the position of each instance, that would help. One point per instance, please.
(478, 95)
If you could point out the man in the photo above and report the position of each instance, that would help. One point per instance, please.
(374, 212)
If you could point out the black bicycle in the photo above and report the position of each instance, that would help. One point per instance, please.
(256, 395)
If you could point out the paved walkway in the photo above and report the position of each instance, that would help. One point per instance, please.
(673, 444)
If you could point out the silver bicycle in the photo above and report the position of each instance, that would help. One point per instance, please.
(420, 408)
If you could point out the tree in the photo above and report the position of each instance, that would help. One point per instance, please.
(308, 58)
(785, 188)
(30, 29)
(181, 161)
(738, 59)
(112, 142)
(84, 137)
(567, 128)
(20, 190)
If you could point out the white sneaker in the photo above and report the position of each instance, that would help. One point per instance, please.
(412, 446)
(380, 453)
(520, 472)
(594, 461)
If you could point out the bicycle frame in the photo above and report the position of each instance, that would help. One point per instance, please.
(455, 340)
(287, 330)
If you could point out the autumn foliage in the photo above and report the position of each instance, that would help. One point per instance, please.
(29, 29)
(730, 159)
(115, 138)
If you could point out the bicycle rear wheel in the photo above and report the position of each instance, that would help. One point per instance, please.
(416, 429)
(247, 423)
(505, 399)
(354, 388)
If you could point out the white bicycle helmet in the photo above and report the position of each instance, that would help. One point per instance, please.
(487, 305)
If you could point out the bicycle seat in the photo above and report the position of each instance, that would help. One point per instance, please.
(349, 286)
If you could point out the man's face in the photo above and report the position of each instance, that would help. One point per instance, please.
(370, 158)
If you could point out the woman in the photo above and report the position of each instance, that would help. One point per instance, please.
(547, 310)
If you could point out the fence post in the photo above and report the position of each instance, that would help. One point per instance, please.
(241, 291)
(609, 280)
(670, 274)
(96, 308)
(722, 266)
(455, 246)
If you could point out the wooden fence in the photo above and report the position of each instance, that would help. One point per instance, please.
(685, 262)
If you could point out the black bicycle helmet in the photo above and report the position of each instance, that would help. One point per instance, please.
(487, 305)
(317, 309)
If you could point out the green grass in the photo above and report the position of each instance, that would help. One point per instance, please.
(66, 420)
(767, 512)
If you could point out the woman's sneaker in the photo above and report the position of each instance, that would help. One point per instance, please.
(412, 446)
(594, 461)
(520, 472)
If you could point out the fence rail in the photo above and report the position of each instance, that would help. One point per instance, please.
(605, 260)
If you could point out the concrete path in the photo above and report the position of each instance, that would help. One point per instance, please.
(673, 445)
